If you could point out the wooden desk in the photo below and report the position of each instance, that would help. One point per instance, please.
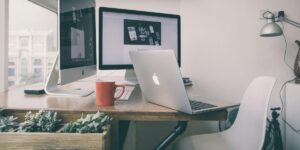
(135, 109)
(71, 108)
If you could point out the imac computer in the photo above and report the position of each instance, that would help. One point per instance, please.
(122, 30)
(76, 47)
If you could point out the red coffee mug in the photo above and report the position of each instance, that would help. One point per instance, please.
(105, 93)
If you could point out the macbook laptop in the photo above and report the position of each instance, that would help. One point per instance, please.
(161, 83)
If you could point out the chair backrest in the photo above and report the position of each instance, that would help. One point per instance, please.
(248, 131)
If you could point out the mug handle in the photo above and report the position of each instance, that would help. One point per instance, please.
(123, 90)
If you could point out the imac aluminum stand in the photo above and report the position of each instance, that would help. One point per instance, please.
(130, 77)
(54, 89)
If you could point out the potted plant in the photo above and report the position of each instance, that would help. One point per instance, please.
(7, 123)
(92, 123)
(41, 131)
(42, 121)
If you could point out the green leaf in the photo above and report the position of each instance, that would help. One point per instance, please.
(8, 124)
(42, 121)
(92, 123)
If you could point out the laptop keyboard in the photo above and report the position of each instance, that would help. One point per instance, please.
(196, 105)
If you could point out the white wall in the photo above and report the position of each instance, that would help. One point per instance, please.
(222, 51)
(221, 48)
(3, 43)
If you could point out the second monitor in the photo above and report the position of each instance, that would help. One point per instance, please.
(122, 30)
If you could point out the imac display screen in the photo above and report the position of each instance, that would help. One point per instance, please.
(121, 31)
(77, 33)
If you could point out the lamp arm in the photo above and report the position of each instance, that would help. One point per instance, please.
(291, 22)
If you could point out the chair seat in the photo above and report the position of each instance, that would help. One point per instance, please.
(215, 141)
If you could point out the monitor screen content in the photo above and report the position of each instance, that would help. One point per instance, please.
(77, 33)
(121, 31)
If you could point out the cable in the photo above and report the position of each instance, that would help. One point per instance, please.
(285, 51)
(282, 25)
(296, 24)
(284, 85)
(264, 15)
(287, 123)
(284, 37)
(280, 92)
(283, 106)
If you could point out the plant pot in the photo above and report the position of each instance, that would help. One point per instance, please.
(70, 141)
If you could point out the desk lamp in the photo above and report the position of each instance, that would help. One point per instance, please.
(272, 29)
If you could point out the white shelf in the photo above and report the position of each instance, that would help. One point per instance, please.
(51, 5)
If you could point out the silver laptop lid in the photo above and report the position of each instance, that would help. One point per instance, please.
(160, 79)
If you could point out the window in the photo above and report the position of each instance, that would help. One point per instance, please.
(24, 41)
(51, 38)
(37, 62)
(11, 72)
(38, 71)
(11, 83)
(24, 67)
(12, 43)
(11, 63)
(32, 42)
(38, 43)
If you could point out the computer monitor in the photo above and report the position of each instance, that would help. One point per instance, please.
(77, 46)
(122, 30)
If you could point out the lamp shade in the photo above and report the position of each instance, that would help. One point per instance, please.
(271, 29)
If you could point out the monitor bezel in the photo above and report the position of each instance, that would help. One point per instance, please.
(60, 24)
(135, 12)
(73, 73)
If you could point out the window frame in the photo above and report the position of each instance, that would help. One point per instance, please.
(4, 29)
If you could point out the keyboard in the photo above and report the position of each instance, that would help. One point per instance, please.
(127, 92)
(197, 105)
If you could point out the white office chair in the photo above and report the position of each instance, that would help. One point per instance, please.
(247, 132)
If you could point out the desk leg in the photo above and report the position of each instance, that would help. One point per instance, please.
(123, 129)
(178, 130)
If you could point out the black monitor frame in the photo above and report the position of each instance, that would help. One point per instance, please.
(135, 12)
(61, 42)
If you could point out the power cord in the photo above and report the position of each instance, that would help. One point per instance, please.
(284, 85)
(284, 58)
(285, 51)
(283, 107)
(268, 12)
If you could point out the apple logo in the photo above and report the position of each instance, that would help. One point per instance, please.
(155, 79)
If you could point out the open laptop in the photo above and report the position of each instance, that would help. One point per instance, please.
(161, 83)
